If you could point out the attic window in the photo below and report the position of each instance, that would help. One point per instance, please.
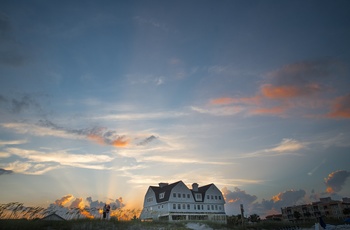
(198, 196)
(161, 195)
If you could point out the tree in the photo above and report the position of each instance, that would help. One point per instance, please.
(346, 211)
(254, 218)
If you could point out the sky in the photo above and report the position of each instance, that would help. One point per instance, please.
(101, 99)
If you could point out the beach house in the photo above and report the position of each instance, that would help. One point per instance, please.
(176, 201)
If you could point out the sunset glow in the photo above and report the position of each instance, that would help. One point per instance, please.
(101, 99)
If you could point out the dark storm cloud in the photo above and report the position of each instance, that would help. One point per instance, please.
(336, 180)
(4, 171)
(237, 197)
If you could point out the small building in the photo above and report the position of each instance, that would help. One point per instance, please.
(176, 201)
(54, 217)
(325, 207)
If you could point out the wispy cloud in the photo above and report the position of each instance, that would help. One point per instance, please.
(98, 135)
(293, 89)
(13, 142)
(38, 162)
(340, 107)
(286, 146)
(218, 111)
(143, 116)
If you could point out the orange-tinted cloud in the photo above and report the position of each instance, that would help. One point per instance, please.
(336, 180)
(340, 107)
(96, 138)
(121, 142)
(64, 200)
(288, 91)
(231, 100)
(277, 110)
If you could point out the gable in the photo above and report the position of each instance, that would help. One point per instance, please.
(165, 191)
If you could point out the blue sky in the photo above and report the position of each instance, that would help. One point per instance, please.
(102, 99)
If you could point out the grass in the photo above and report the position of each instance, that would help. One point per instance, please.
(94, 224)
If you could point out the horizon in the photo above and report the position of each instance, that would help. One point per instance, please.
(100, 100)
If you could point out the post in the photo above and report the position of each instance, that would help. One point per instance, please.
(242, 214)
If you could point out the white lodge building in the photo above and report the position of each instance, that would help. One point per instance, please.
(177, 202)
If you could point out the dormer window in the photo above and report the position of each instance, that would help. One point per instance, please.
(161, 195)
(198, 196)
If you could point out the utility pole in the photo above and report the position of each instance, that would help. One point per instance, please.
(242, 214)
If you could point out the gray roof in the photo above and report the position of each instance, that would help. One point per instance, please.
(168, 188)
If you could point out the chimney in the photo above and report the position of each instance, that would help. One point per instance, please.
(161, 185)
(195, 187)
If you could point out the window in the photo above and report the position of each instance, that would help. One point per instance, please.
(149, 199)
(174, 194)
(188, 206)
(194, 207)
(188, 196)
(184, 195)
(216, 207)
(208, 197)
(208, 207)
(161, 195)
(179, 195)
(183, 206)
(174, 206)
(198, 196)
(219, 207)
(178, 206)
(212, 197)
(219, 197)
(212, 207)
(216, 197)
(199, 207)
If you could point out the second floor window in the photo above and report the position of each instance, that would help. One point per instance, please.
(161, 195)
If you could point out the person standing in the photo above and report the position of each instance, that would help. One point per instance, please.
(108, 208)
(104, 211)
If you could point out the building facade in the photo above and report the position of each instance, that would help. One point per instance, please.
(177, 202)
(326, 207)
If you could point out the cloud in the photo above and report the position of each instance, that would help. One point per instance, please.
(31, 168)
(281, 92)
(218, 111)
(38, 130)
(340, 107)
(283, 199)
(64, 200)
(147, 140)
(70, 207)
(238, 196)
(298, 88)
(20, 104)
(14, 142)
(4, 171)
(336, 180)
(99, 135)
(288, 145)
(142, 116)
(36, 162)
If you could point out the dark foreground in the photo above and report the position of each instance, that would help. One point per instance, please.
(87, 224)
